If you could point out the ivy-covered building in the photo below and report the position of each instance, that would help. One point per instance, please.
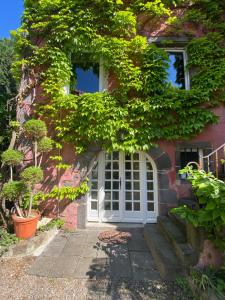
(132, 92)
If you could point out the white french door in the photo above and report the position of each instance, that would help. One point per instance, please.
(123, 189)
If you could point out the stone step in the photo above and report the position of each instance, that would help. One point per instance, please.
(181, 223)
(165, 259)
(177, 239)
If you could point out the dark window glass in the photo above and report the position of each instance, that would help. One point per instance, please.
(176, 74)
(189, 155)
(87, 80)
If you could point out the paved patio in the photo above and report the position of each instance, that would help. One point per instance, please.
(81, 255)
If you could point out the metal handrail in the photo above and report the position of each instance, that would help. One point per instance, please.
(214, 151)
(217, 158)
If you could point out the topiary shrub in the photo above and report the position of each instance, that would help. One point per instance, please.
(30, 177)
(44, 145)
(13, 191)
(35, 130)
(12, 158)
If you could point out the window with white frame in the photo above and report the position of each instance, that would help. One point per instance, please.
(192, 156)
(89, 79)
(177, 73)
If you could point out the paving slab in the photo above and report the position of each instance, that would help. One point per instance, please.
(92, 268)
(80, 255)
(143, 266)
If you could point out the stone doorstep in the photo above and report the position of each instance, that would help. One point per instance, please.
(33, 246)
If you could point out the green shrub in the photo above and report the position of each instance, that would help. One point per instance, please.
(210, 215)
(32, 175)
(6, 240)
(53, 223)
(12, 157)
(12, 190)
(45, 145)
(35, 129)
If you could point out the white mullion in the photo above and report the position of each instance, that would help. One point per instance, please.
(101, 187)
(122, 187)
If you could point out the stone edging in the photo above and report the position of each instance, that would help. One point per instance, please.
(31, 246)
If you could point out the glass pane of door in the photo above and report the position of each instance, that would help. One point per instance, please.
(111, 182)
(132, 189)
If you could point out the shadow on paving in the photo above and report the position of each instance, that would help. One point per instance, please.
(111, 271)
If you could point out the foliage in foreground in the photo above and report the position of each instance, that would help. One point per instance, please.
(6, 240)
(8, 88)
(210, 280)
(210, 215)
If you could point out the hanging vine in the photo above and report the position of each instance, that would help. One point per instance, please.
(143, 107)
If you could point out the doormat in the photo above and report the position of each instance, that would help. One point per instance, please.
(114, 237)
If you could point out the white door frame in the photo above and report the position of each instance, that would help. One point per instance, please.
(100, 215)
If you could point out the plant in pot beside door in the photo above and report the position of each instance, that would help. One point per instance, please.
(25, 224)
(22, 192)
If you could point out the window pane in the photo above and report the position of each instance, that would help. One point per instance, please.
(136, 165)
(136, 156)
(150, 206)
(176, 74)
(136, 185)
(128, 185)
(149, 176)
(149, 166)
(136, 206)
(150, 186)
(116, 185)
(116, 155)
(94, 195)
(94, 205)
(107, 195)
(127, 157)
(115, 195)
(128, 175)
(136, 176)
(94, 174)
(116, 165)
(115, 175)
(108, 175)
(150, 196)
(107, 205)
(128, 166)
(94, 185)
(128, 206)
(136, 196)
(128, 196)
(108, 185)
(115, 205)
(87, 80)
(108, 166)
(108, 156)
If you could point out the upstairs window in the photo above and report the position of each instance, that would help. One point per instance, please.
(177, 74)
(87, 80)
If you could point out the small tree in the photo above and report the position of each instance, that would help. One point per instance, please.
(13, 191)
(35, 130)
(30, 177)
(45, 145)
(12, 158)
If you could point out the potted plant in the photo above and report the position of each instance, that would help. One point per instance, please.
(25, 225)
(21, 192)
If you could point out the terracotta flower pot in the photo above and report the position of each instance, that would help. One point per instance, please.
(25, 228)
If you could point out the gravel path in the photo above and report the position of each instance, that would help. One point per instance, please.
(16, 284)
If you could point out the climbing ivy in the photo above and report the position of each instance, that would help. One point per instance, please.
(142, 107)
